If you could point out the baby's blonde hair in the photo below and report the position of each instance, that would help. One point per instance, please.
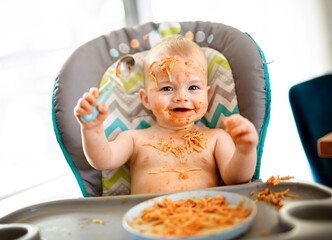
(175, 45)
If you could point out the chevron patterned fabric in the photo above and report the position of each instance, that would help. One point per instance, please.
(127, 111)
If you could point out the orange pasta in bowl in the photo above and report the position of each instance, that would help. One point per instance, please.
(193, 214)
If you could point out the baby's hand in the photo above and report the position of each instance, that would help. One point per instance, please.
(83, 108)
(242, 131)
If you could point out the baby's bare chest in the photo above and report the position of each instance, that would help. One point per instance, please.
(192, 151)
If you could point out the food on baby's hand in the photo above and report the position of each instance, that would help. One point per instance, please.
(230, 124)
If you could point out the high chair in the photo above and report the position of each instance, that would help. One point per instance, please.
(237, 73)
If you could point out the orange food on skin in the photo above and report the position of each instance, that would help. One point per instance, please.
(194, 141)
(182, 173)
(166, 64)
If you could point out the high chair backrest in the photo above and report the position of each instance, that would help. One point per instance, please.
(235, 60)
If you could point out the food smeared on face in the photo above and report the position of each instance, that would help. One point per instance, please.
(176, 89)
(165, 64)
(154, 79)
(164, 67)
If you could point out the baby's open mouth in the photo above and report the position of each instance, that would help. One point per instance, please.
(181, 109)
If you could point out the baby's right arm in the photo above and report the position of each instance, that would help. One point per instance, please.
(100, 153)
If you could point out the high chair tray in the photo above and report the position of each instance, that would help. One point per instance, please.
(306, 217)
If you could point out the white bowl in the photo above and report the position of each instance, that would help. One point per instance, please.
(232, 198)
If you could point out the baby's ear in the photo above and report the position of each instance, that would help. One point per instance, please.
(144, 98)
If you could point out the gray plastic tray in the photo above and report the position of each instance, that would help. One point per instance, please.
(309, 217)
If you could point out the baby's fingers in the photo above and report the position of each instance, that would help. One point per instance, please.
(83, 106)
(239, 130)
(103, 110)
(232, 121)
(249, 138)
(91, 96)
(94, 91)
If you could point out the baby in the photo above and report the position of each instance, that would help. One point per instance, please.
(174, 154)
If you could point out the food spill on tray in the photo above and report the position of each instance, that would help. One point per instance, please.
(275, 198)
(87, 221)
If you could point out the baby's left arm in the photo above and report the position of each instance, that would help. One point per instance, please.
(238, 165)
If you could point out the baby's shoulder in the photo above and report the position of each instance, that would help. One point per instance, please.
(136, 133)
(215, 133)
(212, 131)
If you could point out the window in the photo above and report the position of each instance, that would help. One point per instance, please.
(37, 36)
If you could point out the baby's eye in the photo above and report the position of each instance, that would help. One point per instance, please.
(167, 89)
(194, 87)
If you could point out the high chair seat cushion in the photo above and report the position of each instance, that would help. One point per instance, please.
(86, 66)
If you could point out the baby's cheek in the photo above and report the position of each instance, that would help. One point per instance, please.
(202, 106)
(159, 110)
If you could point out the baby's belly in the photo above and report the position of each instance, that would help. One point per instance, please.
(157, 172)
(171, 181)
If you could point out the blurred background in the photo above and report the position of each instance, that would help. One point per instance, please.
(37, 37)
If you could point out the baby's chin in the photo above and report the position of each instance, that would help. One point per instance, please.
(182, 122)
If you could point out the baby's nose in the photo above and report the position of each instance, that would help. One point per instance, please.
(181, 96)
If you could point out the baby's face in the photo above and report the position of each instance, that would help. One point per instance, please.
(177, 94)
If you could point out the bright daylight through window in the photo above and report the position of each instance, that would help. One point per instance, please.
(37, 37)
